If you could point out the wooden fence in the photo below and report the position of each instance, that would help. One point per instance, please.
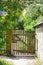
(24, 42)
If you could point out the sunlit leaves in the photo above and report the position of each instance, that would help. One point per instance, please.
(33, 12)
(13, 9)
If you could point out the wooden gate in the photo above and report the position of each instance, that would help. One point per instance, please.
(23, 43)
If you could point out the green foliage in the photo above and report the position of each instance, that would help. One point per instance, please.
(19, 25)
(33, 15)
(2, 40)
(13, 11)
(29, 26)
(3, 62)
(1, 6)
(21, 46)
(41, 9)
(14, 8)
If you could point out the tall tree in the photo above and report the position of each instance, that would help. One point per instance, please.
(14, 9)
(33, 14)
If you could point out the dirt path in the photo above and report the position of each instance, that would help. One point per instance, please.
(21, 60)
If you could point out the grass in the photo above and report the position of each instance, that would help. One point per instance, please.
(38, 62)
(3, 62)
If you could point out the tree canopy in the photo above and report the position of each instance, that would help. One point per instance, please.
(33, 14)
(14, 8)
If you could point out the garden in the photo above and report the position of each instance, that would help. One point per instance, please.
(17, 15)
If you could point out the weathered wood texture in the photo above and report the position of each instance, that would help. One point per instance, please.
(9, 41)
(23, 42)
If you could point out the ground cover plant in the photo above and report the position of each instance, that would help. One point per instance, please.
(3, 62)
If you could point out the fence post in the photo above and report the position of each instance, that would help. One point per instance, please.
(9, 41)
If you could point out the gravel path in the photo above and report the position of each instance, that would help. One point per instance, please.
(20, 60)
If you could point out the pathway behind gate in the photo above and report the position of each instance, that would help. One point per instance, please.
(20, 60)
